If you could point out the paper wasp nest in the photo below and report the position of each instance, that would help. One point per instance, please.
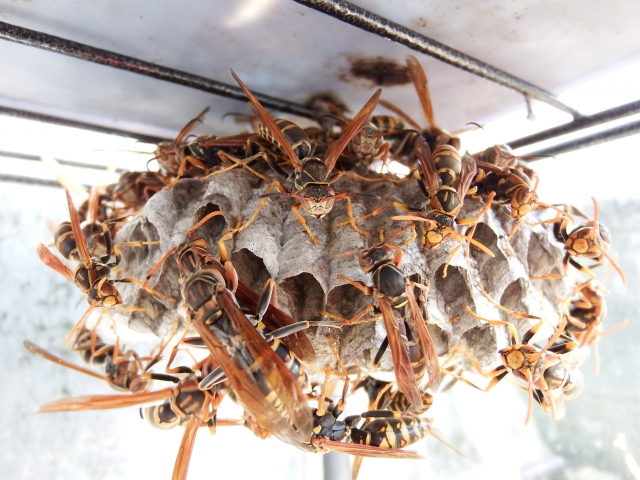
(275, 245)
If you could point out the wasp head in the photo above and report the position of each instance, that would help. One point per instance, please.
(436, 229)
(523, 201)
(317, 199)
(372, 258)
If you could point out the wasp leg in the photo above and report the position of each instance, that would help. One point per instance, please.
(236, 162)
(147, 288)
(512, 330)
(303, 222)
(357, 318)
(495, 375)
(343, 371)
(398, 205)
(253, 216)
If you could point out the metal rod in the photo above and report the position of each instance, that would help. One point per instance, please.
(29, 180)
(578, 124)
(39, 117)
(52, 43)
(70, 163)
(370, 22)
(591, 140)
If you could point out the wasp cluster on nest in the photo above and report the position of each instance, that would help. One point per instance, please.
(280, 252)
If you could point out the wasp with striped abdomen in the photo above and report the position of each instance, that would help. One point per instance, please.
(310, 180)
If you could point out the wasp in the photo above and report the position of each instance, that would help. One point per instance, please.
(192, 254)
(513, 190)
(551, 369)
(262, 383)
(173, 157)
(585, 313)
(91, 276)
(433, 134)
(411, 345)
(589, 240)
(310, 181)
(134, 189)
(183, 403)
(122, 372)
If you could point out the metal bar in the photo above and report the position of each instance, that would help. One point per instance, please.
(591, 140)
(578, 124)
(70, 163)
(370, 22)
(52, 43)
(39, 117)
(29, 180)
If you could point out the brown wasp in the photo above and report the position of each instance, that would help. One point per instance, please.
(183, 403)
(445, 179)
(513, 190)
(433, 134)
(173, 157)
(192, 254)
(589, 240)
(122, 372)
(91, 276)
(551, 370)
(585, 314)
(310, 181)
(411, 346)
(261, 381)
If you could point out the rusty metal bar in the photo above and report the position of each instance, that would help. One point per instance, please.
(370, 22)
(52, 43)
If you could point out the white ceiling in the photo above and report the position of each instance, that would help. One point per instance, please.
(287, 50)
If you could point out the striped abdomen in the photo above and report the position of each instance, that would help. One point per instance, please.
(297, 137)
(289, 359)
(393, 432)
(387, 123)
(398, 402)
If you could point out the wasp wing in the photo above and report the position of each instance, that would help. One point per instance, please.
(400, 113)
(83, 250)
(367, 450)
(239, 140)
(419, 79)
(467, 174)
(265, 118)
(575, 358)
(360, 120)
(420, 332)
(186, 447)
(275, 318)
(286, 413)
(51, 261)
(555, 402)
(427, 166)
(104, 402)
(187, 128)
(401, 362)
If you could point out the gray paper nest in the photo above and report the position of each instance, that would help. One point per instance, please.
(275, 245)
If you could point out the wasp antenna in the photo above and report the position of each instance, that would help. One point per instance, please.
(614, 265)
